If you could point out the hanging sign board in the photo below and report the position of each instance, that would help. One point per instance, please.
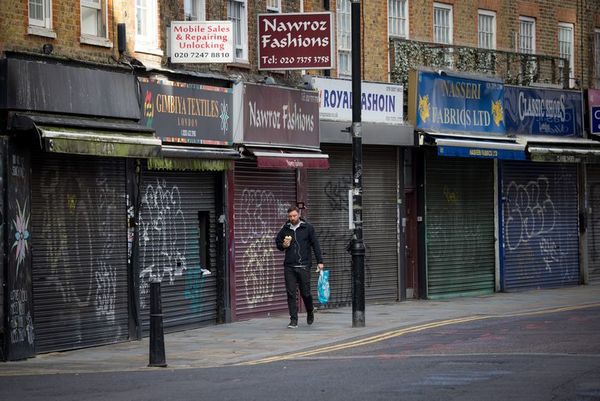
(594, 102)
(201, 42)
(441, 102)
(295, 41)
(541, 111)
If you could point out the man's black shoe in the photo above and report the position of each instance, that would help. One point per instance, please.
(310, 317)
(293, 324)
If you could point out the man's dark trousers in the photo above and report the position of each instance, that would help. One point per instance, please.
(297, 276)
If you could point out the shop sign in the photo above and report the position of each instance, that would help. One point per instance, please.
(441, 102)
(537, 111)
(187, 113)
(594, 103)
(295, 41)
(280, 116)
(201, 42)
(381, 103)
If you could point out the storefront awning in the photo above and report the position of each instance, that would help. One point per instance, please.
(197, 152)
(485, 146)
(272, 158)
(561, 149)
(88, 136)
(86, 141)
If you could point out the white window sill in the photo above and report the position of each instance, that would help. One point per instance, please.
(149, 50)
(96, 41)
(40, 31)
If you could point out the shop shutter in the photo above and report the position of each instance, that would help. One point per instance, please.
(262, 197)
(169, 243)
(459, 219)
(328, 210)
(593, 179)
(540, 225)
(79, 250)
(380, 225)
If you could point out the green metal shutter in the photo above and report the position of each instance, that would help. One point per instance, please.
(79, 250)
(593, 180)
(170, 248)
(459, 221)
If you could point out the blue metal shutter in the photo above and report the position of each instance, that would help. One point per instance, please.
(540, 226)
(79, 251)
(593, 182)
(459, 218)
(170, 250)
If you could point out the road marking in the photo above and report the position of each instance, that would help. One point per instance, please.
(407, 330)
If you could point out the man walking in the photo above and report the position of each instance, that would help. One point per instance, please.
(296, 238)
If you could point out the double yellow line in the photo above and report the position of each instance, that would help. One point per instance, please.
(401, 332)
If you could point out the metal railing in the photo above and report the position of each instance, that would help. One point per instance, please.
(512, 67)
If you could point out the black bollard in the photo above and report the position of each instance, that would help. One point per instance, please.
(157, 336)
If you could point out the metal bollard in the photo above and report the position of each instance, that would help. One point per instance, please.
(157, 336)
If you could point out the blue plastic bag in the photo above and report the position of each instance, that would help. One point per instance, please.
(323, 286)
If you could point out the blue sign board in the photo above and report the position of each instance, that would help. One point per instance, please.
(448, 103)
(595, 114)
(536, 111)
(479, 153)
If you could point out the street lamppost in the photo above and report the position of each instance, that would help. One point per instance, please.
(357, 246)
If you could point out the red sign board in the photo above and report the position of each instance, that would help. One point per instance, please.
(281, 116)
(295, 41)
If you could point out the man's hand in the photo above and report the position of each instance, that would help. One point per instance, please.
(320, 267)
(287, 241)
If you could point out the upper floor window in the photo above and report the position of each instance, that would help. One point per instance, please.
(344, 37)
(398, 18)
(146, 25)
(597, 57)
(442, 23)
(40, 18)
(274, 6)
(194, 10)
(93, 18)
(486, 28)
(566, 49)
(526, 35)
(237, 14)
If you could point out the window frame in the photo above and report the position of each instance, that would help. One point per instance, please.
(531, 20)
(243, 34)
(41, 27)
(486, 13)
(98, 40)
(340, 49)
(200, 5)
(571, 27)
(405, 24)
(276, 9)
(449, 8)
(148, 43)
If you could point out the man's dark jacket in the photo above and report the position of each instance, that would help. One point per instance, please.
(298, 253)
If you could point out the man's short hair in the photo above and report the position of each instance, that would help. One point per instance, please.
(293, 209)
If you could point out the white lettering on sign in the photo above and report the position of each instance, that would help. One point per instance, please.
(541, 108)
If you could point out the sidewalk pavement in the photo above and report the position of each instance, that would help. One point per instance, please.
(252, 340)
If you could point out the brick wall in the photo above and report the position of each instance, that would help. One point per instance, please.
(66, 25)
